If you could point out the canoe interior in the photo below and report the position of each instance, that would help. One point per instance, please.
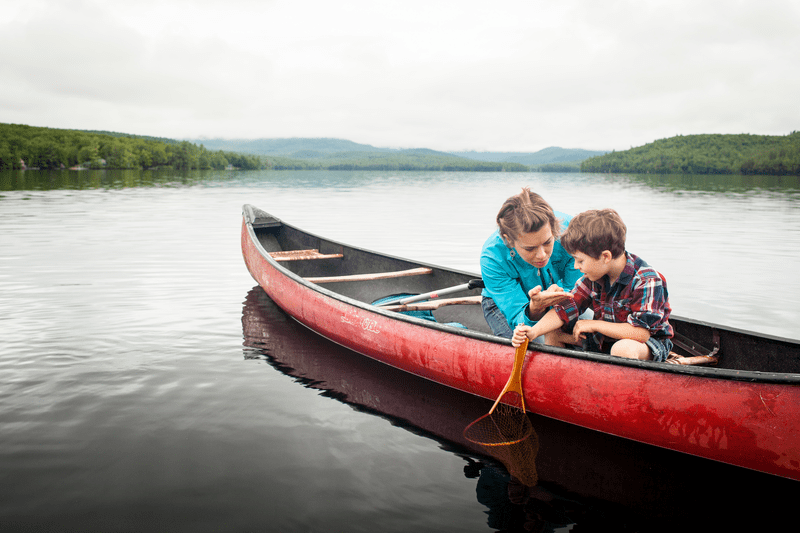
(359, 261)
(739, 350)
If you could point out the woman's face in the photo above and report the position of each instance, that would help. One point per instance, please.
(537, 247)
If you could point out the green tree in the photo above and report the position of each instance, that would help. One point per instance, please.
(45, 154)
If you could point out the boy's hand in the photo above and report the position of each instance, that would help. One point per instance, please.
(583, 328)
(520, 334)
(541, 300)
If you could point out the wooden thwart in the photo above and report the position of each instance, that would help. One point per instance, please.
(370, 277)
(301, 255)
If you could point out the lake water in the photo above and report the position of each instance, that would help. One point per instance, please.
(149, 385)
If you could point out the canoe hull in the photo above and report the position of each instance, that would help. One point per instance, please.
(752, 424)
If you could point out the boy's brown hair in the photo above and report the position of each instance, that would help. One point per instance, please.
(594, 231)
(526, 212)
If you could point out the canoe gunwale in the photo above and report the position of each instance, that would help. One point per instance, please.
(251, 216)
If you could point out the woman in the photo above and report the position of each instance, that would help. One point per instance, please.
(524, 268)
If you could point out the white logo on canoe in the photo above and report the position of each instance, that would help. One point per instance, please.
(367, 324)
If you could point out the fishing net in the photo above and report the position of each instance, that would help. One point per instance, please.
(506, 433)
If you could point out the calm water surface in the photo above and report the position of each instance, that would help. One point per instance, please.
(148, 385)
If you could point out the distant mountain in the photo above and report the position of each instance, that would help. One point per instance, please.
(290, 147)
(546, 156)
(310, 148)
(424, 151)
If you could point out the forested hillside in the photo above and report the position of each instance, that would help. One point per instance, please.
(47, 148)
(415, 159)
(706, 154)
(546, 156)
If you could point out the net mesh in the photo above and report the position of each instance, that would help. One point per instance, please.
(508, 435)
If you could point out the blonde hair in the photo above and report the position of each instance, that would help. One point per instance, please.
(594, 231)
(526, 212)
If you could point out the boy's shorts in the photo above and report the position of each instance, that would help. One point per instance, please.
(659, 348)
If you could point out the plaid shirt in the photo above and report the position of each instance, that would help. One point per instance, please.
(639, 297)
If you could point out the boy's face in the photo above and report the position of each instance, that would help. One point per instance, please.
(592, 268)
(537, 247)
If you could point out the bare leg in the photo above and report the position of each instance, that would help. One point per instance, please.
(631, 349)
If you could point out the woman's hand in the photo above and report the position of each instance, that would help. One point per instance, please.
(542, 300)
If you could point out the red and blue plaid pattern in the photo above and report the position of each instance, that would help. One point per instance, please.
(639, 297)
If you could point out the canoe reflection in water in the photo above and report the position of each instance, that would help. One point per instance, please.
(584, 476)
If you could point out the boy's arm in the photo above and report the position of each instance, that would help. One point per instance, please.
(649, 303)
(549, 322)
(613, 330)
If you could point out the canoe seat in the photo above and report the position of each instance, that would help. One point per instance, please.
(301, 255)
(370, 277)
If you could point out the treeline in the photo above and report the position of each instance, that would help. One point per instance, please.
(401, 161)
(47, 148)
(706, 154)
(558, 167)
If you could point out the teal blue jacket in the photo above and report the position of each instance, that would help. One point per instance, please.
(508, 277)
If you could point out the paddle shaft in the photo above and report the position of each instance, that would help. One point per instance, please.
(473, 284)
(432, 305)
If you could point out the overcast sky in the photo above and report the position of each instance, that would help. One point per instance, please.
(446, 75)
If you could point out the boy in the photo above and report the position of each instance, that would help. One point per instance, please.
(629, 298)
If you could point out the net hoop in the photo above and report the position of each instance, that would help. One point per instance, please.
(476, 435)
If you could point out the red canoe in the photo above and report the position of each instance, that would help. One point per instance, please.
(744, 410)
